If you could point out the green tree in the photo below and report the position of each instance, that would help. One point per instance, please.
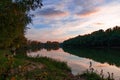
(14, 16)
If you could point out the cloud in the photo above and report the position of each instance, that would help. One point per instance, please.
(60, 33)
(88, 3)
(87, 8)
(69, 18)
(87, 12)
(51, 13)
(98, 23)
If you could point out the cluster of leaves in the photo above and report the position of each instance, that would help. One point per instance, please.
(100, 38)
(14, 16)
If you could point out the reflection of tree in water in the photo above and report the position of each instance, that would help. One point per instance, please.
(111, 56)
(51, 45)
(51, 48)
(35, 46)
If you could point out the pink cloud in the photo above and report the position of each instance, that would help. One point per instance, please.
(98, 23)
(87, 13)
(52, 13)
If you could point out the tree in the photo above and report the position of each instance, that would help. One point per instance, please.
(14, 16)
(100, 38)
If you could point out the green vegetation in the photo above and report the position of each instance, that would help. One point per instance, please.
(100, 38)
(96, 46)
(14, 17)
(93, 76)
(21, 67)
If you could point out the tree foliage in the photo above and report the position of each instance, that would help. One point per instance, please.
(14, 16)
(100, 38)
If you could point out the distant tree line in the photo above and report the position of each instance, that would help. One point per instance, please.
(100, 38)
(36, 45)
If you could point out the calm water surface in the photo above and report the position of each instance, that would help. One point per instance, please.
(80, 64)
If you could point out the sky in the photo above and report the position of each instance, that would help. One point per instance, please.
(59, 20)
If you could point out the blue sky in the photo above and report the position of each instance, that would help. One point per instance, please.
(59, 20)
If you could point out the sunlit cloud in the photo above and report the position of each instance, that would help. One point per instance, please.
(98, 23)
(61, 20)
(87, 13)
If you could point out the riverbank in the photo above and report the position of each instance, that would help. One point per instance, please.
(21, 67)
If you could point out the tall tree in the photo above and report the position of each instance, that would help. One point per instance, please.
(14, 16)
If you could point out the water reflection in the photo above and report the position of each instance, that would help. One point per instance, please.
(77, 64)
(111, 56)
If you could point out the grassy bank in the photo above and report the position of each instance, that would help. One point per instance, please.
(21, 67)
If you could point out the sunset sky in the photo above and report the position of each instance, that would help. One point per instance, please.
(59, 20)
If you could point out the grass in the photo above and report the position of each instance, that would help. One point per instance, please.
(91, 75)
(51, 64)
(21, 67)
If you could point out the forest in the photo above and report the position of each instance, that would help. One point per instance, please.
(100, 38)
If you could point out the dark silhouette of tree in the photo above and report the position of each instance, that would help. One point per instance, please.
(14, 16)
(100, 38)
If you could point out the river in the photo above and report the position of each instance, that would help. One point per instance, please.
(79, 60)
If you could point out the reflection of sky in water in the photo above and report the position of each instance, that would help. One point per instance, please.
(77, 64)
